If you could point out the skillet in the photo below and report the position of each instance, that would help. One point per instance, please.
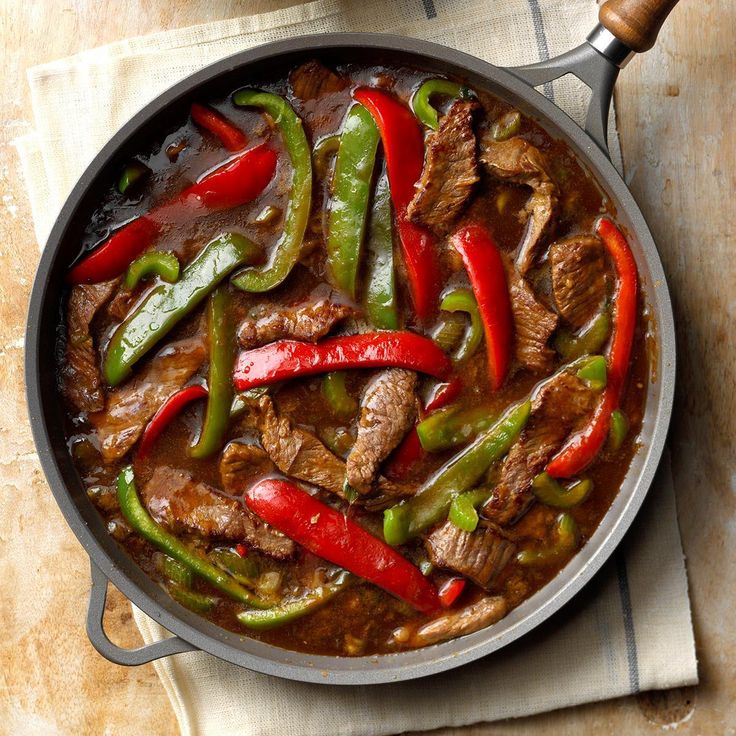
(626, 26)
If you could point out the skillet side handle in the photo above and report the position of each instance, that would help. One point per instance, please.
(100, 641)
(635, 23)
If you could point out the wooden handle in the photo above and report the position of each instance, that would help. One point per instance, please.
(635, 22)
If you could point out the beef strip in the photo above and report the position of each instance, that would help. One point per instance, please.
(557, 408)
(301, 455)
(388, 409)
(533, 326)
(130, 407)
(308, 322)
(296, 452)
(312, 80)
(480, 555)
(473, 617)
(81, 382)
(242, 465)
(578, 277)
(181, 503)
(450, 170)
(519, 161)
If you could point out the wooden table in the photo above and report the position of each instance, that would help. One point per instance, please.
(675, 109)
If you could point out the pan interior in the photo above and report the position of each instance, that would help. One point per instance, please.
(46, 412)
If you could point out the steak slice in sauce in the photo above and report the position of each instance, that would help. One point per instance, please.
(308, 322)
(312, 80)
(242, 465)
(533, 326)
(450, 170)
(130, 407)
(578, 277)
(557, 408)
(388, 410)
(296, 452)
(478, 555)
(518, 161)
(181, 503)
(81, 382)
(473, 617)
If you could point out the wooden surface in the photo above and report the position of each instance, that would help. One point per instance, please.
(676, 117)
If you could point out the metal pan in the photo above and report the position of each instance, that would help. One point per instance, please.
(596, 62)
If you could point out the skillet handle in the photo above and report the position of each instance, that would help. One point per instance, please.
(100, 641)
(635, 23)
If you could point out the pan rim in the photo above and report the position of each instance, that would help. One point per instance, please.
(440, 657)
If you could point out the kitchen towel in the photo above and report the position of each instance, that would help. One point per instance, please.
(630, 629)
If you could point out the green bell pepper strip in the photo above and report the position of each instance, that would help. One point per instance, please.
(243, 569)
(191, 599)
(321, 152)
(219, 378)
(421, 99)
(242, 400)
(565, 542)
(286, 251)
(618, 430)
(288, 611)
(506, 126)
(341, 403)
(462, 300)
(153, 263)
(551, 492)
(571, 346)
(452, 426)
(168, 304)
(132, 174)
(432, 502)
(462, 513)
(594, 372)
(138, 518)
(340, 442)
(380, 283)
(351, 188)
(179, 574)
(448, 333)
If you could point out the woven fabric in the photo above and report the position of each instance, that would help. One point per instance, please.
(629, 630)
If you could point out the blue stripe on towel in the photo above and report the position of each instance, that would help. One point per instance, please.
(631, 654)
(429, 8)
(541, 37)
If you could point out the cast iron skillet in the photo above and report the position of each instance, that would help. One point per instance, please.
(596, 62)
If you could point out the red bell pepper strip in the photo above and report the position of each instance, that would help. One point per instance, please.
(488, 278)
(450, 591)
(231, 137)
(410, 450)
(334, 537)
(582, 449)
(234, 183)
(286, 359)
(403, 147)
(166, 414)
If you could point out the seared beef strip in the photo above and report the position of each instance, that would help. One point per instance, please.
(242, 465)
(177, 501)
(312, 80)
(130, 407)
(578, 277)
(81, 382)
(533, 326)
(466, 620)
(557, 408)
(480, 555)
(450, 170)
(388, 409)
(519, 161)
(308, 322)
(296, 452)
(301, 455)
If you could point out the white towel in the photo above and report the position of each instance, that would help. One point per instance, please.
(629, 630)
